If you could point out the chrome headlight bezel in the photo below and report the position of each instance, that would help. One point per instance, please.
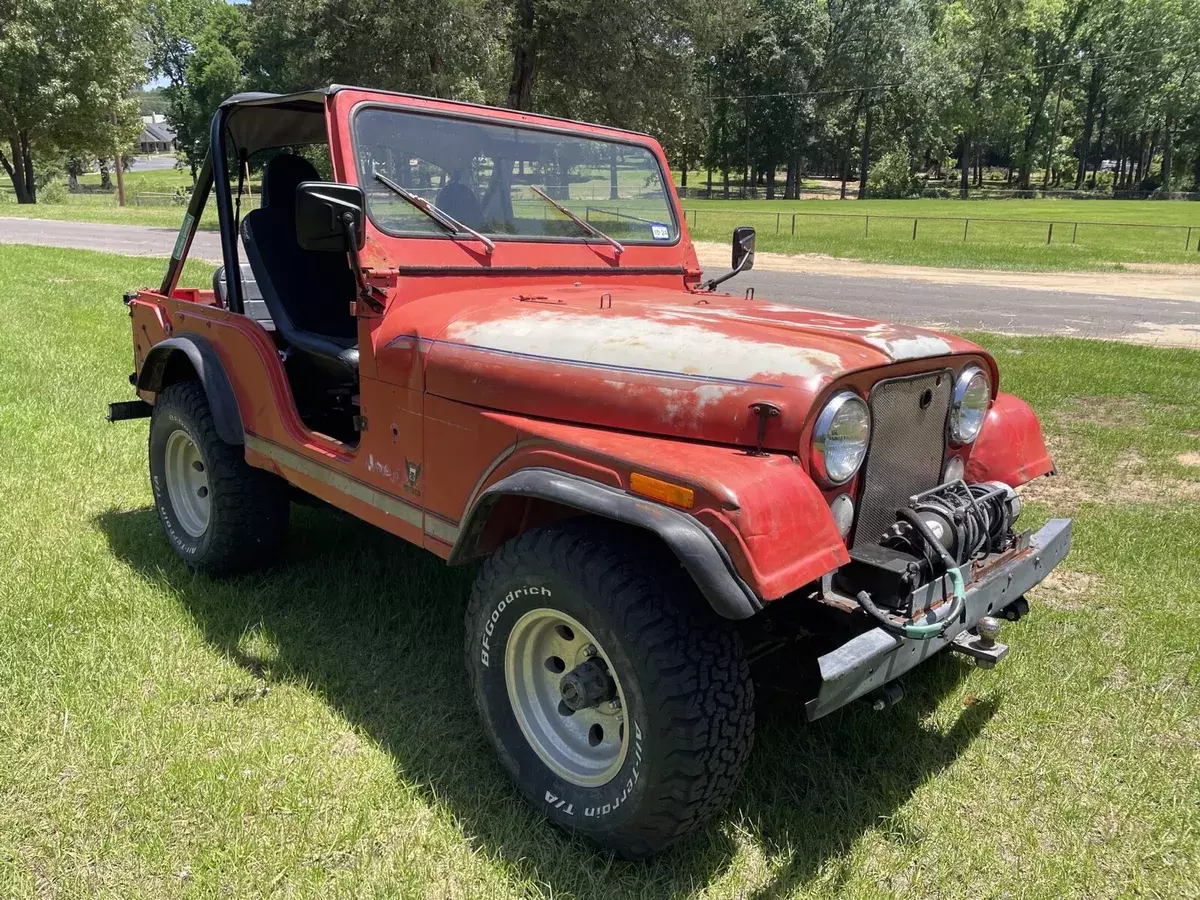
(836, 406)
(958, 436)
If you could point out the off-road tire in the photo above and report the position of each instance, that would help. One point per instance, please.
(688, 690)
(248, 517)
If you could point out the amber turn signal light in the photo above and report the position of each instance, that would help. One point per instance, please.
(657, 489)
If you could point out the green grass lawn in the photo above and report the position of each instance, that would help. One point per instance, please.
(839, 228)
(308, 732)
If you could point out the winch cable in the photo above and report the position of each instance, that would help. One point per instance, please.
(911, 629)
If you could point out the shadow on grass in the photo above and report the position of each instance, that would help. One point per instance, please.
(375, 626)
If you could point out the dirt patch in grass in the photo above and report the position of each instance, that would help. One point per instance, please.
(1129, 482)
(1068, 590)
(1191, 458)
(1127, 411)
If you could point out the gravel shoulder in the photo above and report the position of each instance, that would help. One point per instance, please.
(1150, 282)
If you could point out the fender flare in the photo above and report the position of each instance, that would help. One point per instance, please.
(694, 545)
(161, 370)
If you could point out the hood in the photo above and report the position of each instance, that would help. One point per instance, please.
(660, 361)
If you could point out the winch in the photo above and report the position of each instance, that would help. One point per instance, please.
(937, 533)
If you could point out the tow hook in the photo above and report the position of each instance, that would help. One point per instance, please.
(884, 696)
(1016, 610)
(980, 643)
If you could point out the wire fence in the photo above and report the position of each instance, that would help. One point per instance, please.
(929, 192)
(942, 228)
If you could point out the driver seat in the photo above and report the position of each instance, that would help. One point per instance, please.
(307, 292)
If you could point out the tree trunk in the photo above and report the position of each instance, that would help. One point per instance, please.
(708, 196)
(1098, 154)
(725, 180)
(20, 168)
(1046, 173)
(864, 166)
(789, 183)
(770, 181)
(613, 192)
(1089, 119)
(524, 67)
(978, 167)
(1168, 148)
(105, 175)
(964, 157)
(683, 174)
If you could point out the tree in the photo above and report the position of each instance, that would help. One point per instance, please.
(441, 48)
(67, 68)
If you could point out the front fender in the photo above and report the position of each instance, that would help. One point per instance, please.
(1010, 447)
(770, 522)
(696, 548)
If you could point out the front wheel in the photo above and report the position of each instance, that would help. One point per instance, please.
(620, 705)
(220, 514)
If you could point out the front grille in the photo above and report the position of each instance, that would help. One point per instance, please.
(908, 446)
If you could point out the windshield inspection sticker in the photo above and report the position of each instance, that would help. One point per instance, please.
(659, 231)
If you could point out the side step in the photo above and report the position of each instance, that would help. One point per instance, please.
(128, 409)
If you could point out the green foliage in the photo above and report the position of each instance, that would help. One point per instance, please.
(53, 192)
(892, 177)
(67, 68)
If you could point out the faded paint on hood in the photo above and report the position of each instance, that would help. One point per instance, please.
(659, 361)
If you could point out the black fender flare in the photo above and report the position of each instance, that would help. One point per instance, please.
(694, 545)
(162, 369)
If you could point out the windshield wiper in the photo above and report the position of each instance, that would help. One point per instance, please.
(448, 223)
(587, 226)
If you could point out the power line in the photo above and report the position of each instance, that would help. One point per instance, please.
(871, 88)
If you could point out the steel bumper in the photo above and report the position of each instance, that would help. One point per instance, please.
(876, 657)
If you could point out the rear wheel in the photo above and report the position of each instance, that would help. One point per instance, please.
(220, 514)
(620, 705)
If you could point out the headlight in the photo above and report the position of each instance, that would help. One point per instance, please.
(969, 407)
(840, 438)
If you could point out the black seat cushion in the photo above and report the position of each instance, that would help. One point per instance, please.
(460, 202)
(307, 292)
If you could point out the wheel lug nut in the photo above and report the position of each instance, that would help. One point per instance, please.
(614, 704)
(589, 650)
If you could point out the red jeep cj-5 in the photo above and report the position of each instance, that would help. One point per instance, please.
(487, 332)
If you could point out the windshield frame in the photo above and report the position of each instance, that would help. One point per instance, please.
(578, 132)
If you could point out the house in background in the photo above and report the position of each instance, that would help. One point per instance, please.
(157, 136)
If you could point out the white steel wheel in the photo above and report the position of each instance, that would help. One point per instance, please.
(186, 476)
(566, 697)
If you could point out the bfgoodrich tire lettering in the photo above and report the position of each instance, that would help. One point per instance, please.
(247, 509)
(687, 695)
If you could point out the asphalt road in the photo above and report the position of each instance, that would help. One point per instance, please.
(950, 307)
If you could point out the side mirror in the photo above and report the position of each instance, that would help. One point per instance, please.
(327, 214)
(743, 248)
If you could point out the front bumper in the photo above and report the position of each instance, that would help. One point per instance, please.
(876, 657)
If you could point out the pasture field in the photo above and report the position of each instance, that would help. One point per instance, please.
(308, 732)
(984, 234)
(981, 234)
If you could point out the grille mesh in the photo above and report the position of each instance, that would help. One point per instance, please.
(908, 445)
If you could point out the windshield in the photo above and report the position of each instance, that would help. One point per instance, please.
(487, 176)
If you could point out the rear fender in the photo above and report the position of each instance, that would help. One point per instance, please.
(1010, 447)
(189, 357)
